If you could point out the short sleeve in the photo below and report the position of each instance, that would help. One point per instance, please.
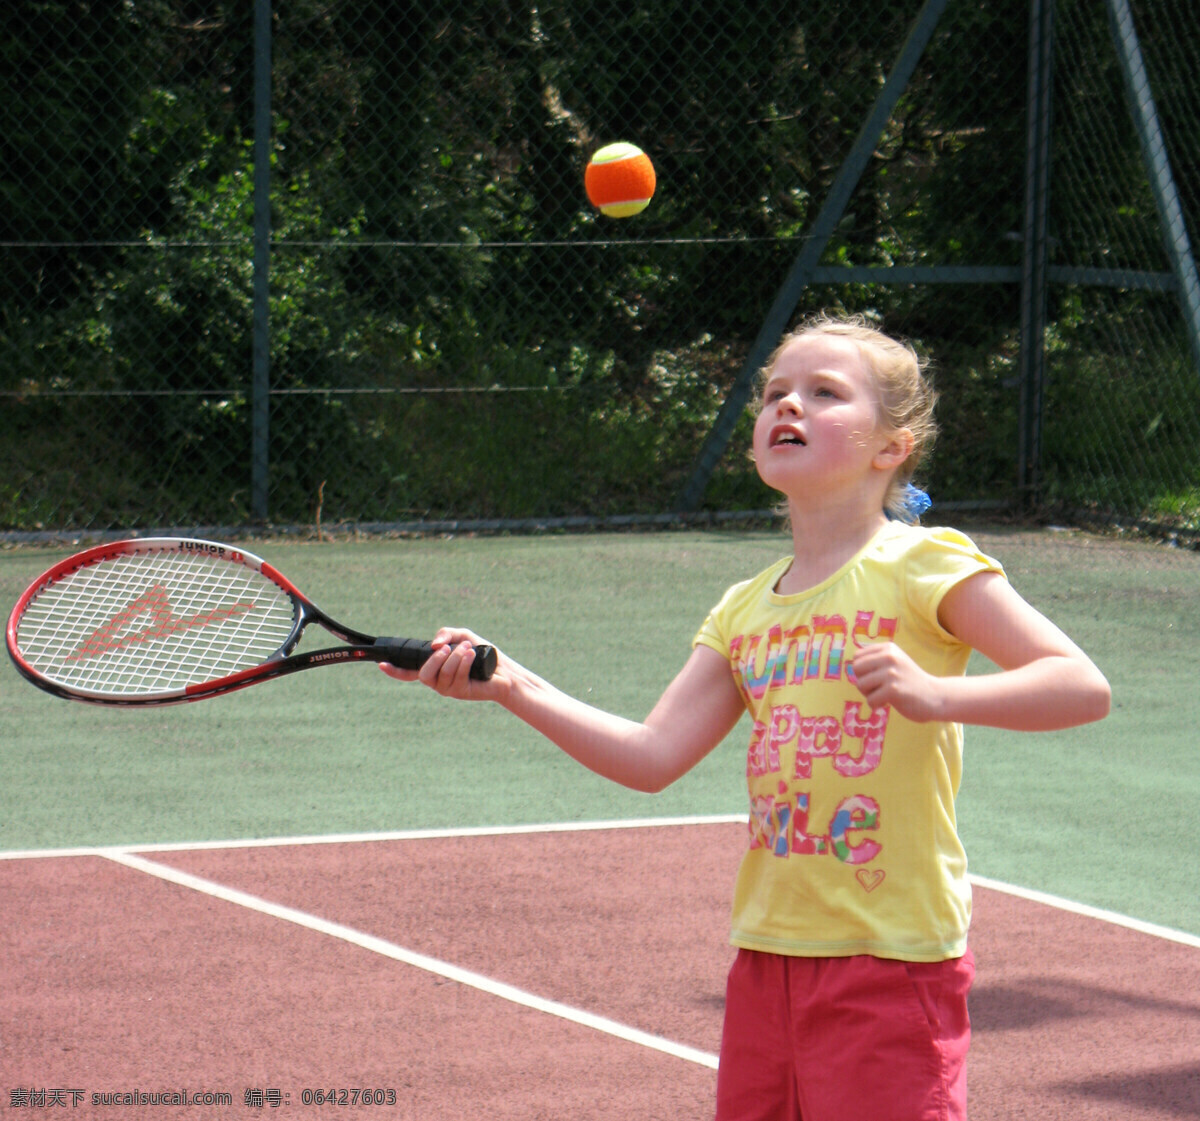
(710, 635)
(942, 559)
(717, 631)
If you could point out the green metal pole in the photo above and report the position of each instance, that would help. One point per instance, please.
(815, 242)
(261, 360)
(1032, 366)
(1158, 167)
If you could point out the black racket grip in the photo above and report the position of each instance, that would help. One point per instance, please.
(410, 653)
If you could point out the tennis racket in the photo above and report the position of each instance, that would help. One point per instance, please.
(169, 619)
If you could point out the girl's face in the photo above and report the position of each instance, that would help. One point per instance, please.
(819, 424)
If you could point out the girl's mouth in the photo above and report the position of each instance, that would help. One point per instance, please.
(786, 436)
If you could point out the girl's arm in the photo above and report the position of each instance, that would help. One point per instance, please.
(697, 710)
(1046, 681)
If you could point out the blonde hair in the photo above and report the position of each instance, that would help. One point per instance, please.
(902, 381)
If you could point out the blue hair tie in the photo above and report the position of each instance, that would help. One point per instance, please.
(914, 502)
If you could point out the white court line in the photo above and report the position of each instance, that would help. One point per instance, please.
(391, 835)
(411, 957)
(1059, 902)
(1088, 911)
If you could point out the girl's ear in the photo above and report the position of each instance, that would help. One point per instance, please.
(899, 447)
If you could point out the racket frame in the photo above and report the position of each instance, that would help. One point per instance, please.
(405, 653)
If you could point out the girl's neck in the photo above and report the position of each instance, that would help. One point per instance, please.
(824, 539)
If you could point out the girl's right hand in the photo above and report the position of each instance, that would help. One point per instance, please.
(448, 669)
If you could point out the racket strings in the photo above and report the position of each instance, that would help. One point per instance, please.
(154, 622)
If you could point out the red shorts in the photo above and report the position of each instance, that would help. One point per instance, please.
(826, 1039)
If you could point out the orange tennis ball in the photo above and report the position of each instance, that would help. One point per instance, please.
(619, 180)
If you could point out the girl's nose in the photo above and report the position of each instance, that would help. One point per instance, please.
(790, 403)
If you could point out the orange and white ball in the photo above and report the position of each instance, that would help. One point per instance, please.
(620, 180)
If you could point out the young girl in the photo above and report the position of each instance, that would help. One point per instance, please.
(848, 994)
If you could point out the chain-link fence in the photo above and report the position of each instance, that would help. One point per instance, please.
(410, 311)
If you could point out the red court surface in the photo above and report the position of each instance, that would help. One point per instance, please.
(117, 981)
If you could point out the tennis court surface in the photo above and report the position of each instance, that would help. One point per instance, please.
(540, 973)
(426, 909)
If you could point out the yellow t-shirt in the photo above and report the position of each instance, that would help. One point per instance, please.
(853, 842)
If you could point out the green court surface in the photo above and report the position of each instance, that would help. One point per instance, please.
(1103, 814)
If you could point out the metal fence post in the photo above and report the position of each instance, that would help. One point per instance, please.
(1034, 266)
(814, 246)
(261, 362)
(1158, 167)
